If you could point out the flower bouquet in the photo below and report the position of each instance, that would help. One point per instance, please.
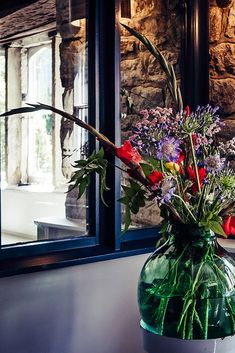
(187, 287)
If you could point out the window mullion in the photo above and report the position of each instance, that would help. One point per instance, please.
(110, 115)
(93, 113)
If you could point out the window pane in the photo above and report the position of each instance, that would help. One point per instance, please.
(222, 70)
(47, 62)
(2, 109)
(143, 84)
(40, 123)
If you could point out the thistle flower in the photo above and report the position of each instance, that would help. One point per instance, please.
(204, 119)
(226, 180)
(168, 149)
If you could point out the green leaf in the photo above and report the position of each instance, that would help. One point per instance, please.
(125, 200)
(129, 191)
(134, 207)
(217, 228)
(85, 167)
(134, 199)
(77, 175)
(154, 162)
(82, 187)
(164, 227)
(147, 169)
(141, 200)
(166, 67)
(100, 154)
(134, 185)
(20, 111)
(127, 219)
(103, 185)
(92, 166)
(80, 163)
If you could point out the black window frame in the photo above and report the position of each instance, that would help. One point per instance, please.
(104, 241)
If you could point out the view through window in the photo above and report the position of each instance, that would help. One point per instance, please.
(38, 149)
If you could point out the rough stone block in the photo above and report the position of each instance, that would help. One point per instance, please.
(230, 30)
(222, 59)
(215, 24)
(127, 47)
(223, 94)
(228, 131)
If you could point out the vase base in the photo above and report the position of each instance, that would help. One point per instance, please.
(154, 343)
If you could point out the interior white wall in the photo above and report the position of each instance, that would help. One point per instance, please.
(88, 308)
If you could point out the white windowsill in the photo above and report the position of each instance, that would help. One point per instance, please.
(36, 188)
(227, 244)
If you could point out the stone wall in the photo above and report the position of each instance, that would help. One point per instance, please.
(222, 62)
(140, 72)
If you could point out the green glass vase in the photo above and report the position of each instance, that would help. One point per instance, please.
(187, 287)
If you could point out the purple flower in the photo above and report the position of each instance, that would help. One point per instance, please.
(166, 191)
(214, 163)
(168, 149)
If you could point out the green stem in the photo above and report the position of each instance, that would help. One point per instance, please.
(231, 311)
(186, 207)
(174, 267)
(205, 319)
(191, 318)
(184, 325)
(195, 163)
(197, 319)
(162, 166)
(162, 313)
(116, 166)
(201, 201)
(185, 310)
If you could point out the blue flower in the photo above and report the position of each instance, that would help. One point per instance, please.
(214, 163)
(166, 191)
(168, 149)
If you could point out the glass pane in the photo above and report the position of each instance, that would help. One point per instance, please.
(222, 69)
(47, 62)
(40, 123)
(143, 84)
(2, 109)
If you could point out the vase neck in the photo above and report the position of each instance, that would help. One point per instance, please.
(190, 233)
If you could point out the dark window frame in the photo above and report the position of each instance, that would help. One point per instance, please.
(104, 241)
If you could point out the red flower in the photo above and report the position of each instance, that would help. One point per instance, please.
(192, 176)
(194, 138)
(187, 110)
(155, 177)
(229, 225)
(128, 154)
(181, 159)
